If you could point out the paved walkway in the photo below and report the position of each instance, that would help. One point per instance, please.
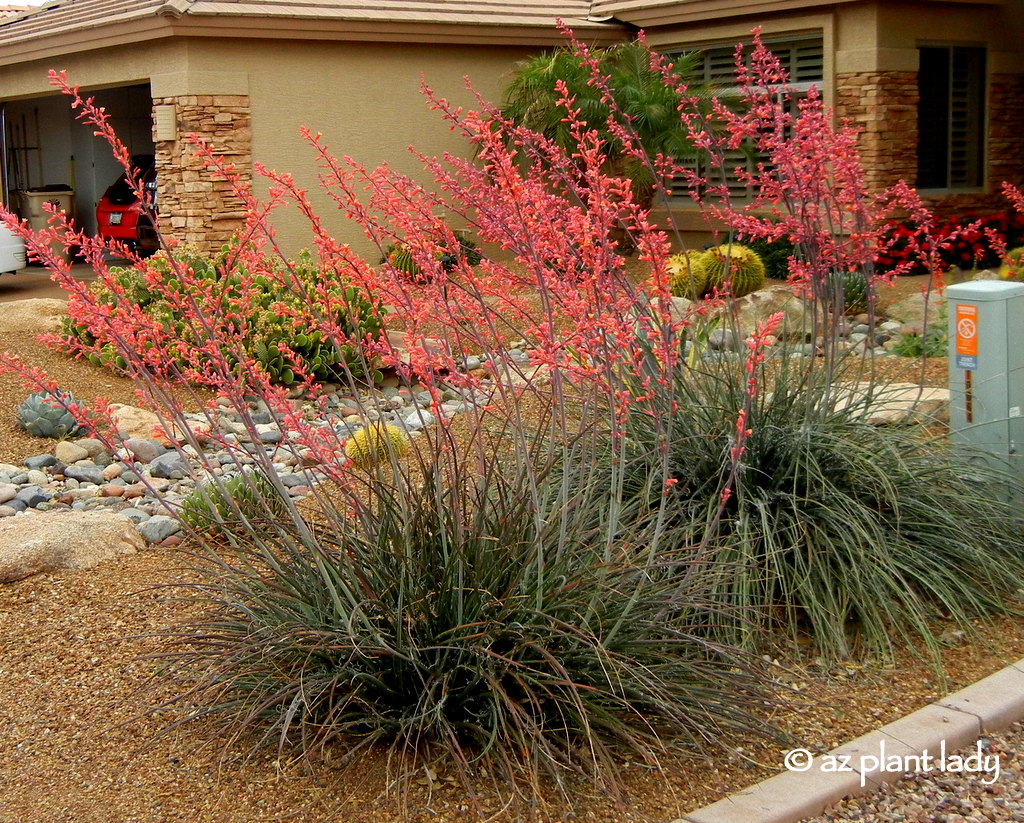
(34, 281)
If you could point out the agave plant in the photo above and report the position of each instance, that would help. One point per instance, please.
(46, 414)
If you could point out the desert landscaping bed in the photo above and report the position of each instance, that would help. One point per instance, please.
(77, 674)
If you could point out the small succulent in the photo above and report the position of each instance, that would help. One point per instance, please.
(45, 414)
(399, 257)
(372, 444)
(216, 504)
(732, 262)
(686, 279)
(853, 288)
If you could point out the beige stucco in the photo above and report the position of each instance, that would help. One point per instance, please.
(363, 97)
(885, 36)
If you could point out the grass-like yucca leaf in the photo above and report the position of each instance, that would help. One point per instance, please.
(470, 614)
(840, 532)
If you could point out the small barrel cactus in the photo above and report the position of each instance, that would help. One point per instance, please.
(45, 414)
(1013, 265)
(399, 256)
(853, 288)
(685, 277)
(373, 444)
(737, 264)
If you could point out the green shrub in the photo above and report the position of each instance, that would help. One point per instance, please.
(774, 254)
(933, 343)
(282, 328)
(239, 502)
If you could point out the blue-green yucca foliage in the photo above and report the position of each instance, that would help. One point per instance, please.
(466, 611)
(840, 535)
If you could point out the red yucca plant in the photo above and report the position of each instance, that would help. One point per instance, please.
(483, 604)
(541, 585)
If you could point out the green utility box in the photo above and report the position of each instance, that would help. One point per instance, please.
(986, 369)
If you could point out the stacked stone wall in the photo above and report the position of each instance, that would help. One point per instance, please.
(195, 208)
(882, 106)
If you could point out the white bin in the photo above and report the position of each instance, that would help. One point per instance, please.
(31, 205)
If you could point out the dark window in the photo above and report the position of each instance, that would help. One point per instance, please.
(804, 62)
(951, 118)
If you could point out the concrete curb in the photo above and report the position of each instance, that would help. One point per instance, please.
(951, 723)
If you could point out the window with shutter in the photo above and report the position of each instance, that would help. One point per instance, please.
(804, 62)
(951, 117)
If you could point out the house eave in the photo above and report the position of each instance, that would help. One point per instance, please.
(168, 25)
(647, 14)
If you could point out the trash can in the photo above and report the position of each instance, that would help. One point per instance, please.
(31, 204)
(32, 207)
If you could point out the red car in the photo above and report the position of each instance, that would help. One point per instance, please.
(120, 215)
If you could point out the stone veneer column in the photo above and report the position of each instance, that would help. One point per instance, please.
(882, 106)
(194, 208)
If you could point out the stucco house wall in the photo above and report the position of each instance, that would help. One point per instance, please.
(246, 78)
(871, 72)
(250, 98)
(247, 81)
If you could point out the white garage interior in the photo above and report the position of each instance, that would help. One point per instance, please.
(46, 149)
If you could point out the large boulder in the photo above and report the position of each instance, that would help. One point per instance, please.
(758, 306)
(895, 403)
(131, 421)
(34, 544)
(34, 314)
(917, 311)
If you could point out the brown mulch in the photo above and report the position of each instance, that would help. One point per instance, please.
(75, 681)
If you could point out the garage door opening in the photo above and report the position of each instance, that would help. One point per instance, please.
(52, 157)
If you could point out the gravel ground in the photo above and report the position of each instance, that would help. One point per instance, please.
(75, 681)
(948, 797)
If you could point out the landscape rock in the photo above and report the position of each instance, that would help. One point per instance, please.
(85, 474)
(67, 452)
(93, 447)
(144, 449)
(157, 528)
(34, 314)
(168, 466)
(39, 461)
(915, 312)
(131, 421)
(62, 540)
(758, 306)
(897, 402)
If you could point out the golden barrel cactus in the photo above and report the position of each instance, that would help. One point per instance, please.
(375, 443)
(737, 264)
(685, 277)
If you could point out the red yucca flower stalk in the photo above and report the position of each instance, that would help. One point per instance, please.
(513, 611)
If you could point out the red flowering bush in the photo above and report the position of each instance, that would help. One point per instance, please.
(966, 242)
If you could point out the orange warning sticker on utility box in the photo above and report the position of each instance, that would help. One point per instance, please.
(967, 330)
